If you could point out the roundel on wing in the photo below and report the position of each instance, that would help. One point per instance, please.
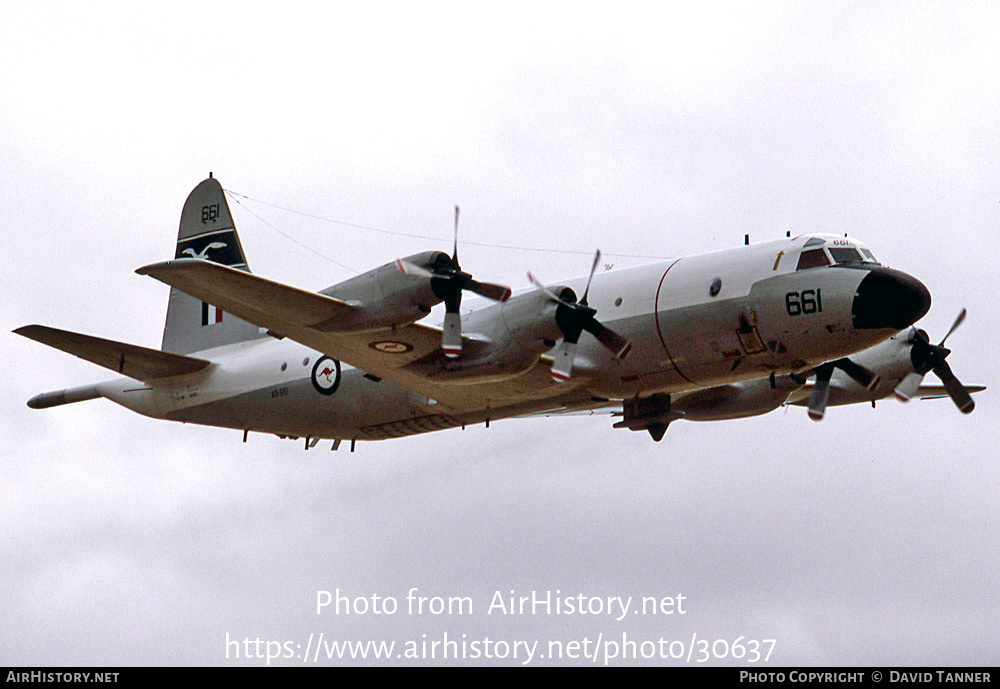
(326, 375)
(391, 347)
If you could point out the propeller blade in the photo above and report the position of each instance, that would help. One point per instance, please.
(572, 317)
(821, 392)
(408, 268)
(859, 373)
(593, 267)
(927, 357)
(448, 282)
(615, 343)
(562, 367)
(958, 322)
(451, 336)
(959, 395)
(549, 293)
(454, 253)
(908, 387)
(489, 290)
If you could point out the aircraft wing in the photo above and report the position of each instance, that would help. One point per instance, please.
(310, 318)
(852, 393)
(933, 392)
(252, 298)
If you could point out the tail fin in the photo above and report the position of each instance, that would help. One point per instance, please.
(207, 231)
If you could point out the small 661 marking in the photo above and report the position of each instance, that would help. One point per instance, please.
(209, 213)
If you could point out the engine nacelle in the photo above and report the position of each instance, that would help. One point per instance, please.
(529, 322)
(506, 340)
(386, 296)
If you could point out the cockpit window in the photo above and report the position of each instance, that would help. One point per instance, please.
(869, 256)
(843, 256)
(813, 258)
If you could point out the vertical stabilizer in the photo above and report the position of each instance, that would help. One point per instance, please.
(207, 231)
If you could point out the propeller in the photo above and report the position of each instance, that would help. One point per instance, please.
(448, 280)
(572, 318)
(928, 357)
(821, 388)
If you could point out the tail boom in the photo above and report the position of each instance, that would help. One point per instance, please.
(66, 396)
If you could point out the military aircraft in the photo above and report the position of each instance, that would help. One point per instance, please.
(809, 320)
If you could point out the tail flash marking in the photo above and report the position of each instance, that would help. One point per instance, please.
(210, 315)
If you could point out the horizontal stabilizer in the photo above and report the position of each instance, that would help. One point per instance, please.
(140, 363)
(264, 302)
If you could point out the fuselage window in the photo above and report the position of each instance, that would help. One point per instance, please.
(842, 256)
(814, 258)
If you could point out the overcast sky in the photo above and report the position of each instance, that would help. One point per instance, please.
(643, 129)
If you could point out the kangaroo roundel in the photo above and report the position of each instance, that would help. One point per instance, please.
(326, 375)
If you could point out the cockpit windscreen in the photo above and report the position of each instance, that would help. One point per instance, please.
(845, 255)
(834, 255)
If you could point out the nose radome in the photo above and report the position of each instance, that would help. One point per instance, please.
(888, 298)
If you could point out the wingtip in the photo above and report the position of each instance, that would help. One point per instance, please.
(173, 263)
(32, 332)
(152, 267)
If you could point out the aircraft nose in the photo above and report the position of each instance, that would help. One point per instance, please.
(888, 298)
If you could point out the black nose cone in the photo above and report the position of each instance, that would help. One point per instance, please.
(888, 298)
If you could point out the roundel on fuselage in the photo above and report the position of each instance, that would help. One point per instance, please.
(326, 375)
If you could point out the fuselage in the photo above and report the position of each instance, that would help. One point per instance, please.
(744, 313)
